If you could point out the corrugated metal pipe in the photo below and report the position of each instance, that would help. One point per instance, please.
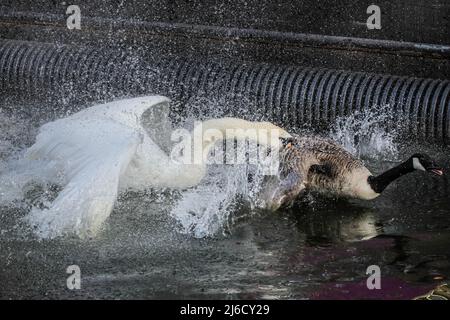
(289, 95)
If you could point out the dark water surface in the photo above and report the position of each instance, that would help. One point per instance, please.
(318, 249)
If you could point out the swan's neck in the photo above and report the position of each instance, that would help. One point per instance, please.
(239, 129)
(235, 127)
(379, 183)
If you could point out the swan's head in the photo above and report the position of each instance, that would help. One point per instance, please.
(279, 192)
(282, 190)
(424, 162)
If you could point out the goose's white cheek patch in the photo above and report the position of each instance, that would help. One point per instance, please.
(358, 186)
(417, 165)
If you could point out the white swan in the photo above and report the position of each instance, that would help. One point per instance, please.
(108, 148)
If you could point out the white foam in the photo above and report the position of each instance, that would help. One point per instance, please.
(364, 134)
(209, 208)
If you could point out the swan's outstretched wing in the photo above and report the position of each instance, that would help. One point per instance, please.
(157, 123)
(91, 150)
(91, 162)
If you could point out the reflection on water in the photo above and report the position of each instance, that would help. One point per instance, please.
(318, 249)
(324, 227)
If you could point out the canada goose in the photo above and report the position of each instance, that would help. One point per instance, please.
(111, 147)
(320, 164)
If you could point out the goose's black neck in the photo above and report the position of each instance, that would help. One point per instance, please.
(379, 183)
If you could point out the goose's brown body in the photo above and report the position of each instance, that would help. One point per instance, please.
(339, 173)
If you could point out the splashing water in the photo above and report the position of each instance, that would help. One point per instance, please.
(13, 172)
(12, 137)
(202, 211)
(210, 207)
(365, 135)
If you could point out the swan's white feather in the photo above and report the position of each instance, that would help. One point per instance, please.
(107, 148)
(92, 186)
(92, 150)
